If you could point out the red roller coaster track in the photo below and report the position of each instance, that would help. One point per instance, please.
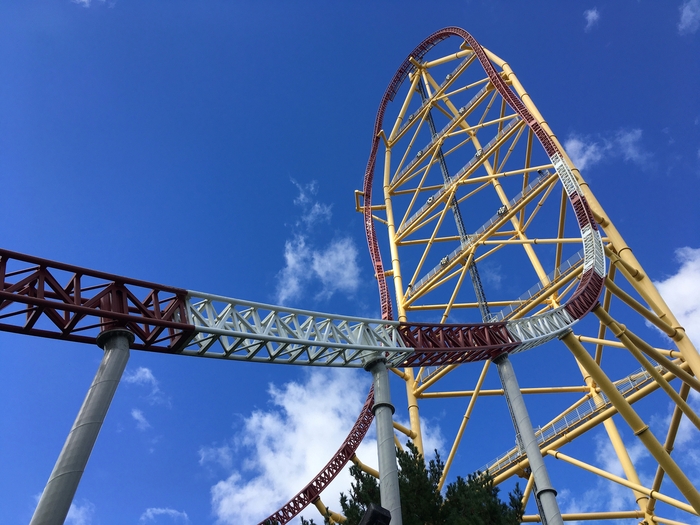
(450, 339)
(95, 301)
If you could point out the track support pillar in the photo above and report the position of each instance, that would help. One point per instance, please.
(58, 494)
(544, 492)
(383, 414)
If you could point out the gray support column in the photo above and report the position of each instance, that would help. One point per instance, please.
(388, 468)
(545, 493)
(60, 489)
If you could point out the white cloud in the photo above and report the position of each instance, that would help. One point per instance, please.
(151, 514)
(141, 421)
(295, 272)
(690, 17)
(592, 16)
(144, 377)
(308, 264)
(287, 444)
(586, 151)
(222, 456)
(681, 292)
(629, 146)
(87, 3)
(335, 267)
(312, 210)
(80, 514)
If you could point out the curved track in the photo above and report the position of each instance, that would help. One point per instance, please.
(441, 344)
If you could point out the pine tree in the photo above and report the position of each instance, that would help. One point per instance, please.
(471, 501)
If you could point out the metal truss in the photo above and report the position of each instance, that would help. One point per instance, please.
(457, 127)
(491, 149)
(248, 331)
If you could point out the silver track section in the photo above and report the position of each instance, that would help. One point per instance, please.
(238, 330)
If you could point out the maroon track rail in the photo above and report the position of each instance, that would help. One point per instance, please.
(313, 490)
(60, 301)
(33, 301)
(586, 295)
(439, 344)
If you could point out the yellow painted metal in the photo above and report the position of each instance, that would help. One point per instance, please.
(499, 392)
(364, 468)
(607, 297)
(404, 430)
(578, 431)
(622, 481)
(658, 356)
(640, 429)
(532, 230)
(648, 315)
(528, 490)
(590, 516)
(463, 425)
(668, 445)
(619, 331)
(616, 441)
(333, 517)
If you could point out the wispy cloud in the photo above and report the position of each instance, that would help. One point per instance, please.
(322, 270)
(88, 3)
(313, 211)
(587, 151)
(80, 514)
(287, 444)
(584, 152)
(141, 421)
(629, 144)
(144, 377)
(681, 291)
(334, 268)
(690, 17)
(218, 455)
(592, 16)
(151, 514)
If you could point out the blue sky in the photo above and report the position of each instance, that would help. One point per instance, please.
(215, 146)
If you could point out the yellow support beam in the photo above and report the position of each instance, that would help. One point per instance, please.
(640, 429)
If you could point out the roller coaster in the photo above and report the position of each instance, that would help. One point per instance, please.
(460, 136)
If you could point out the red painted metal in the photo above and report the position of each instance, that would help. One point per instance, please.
(583, 212)
(585, 298)
(586, 295)
(313, 490)
(443, 344)
(33, 301)
(60, 301)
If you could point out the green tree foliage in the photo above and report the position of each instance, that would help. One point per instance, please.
(471, 501)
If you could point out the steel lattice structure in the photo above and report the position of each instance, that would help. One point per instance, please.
(464, 137)
(460, 135)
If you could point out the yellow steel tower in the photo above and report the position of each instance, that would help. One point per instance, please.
(479, 229)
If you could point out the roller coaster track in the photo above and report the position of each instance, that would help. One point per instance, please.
(48, 299)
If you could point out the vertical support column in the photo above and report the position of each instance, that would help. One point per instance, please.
(58, 494)
(545, 493)
(388, 469)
